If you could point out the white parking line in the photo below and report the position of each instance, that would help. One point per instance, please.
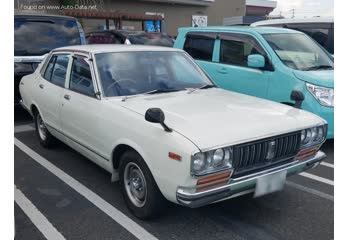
(327, 164)
(317, 178)
(24, 128)
(135, 229)
(310, 190)
(37, 218)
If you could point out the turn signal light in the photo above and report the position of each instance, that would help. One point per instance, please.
(214, 178)
(174, 156)
(306, 153)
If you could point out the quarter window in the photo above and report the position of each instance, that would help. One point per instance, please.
(200, 48)
(48, 71)
(81, 80)
(235, 51)
(56, 70)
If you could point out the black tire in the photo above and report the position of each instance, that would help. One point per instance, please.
(154, 202)
(48, 140)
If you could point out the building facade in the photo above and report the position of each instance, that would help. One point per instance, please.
(174, 13)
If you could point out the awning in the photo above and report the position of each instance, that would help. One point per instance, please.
(109, 15)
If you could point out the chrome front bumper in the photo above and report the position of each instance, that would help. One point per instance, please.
(242, 185)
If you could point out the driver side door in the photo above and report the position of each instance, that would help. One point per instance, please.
(231, 65)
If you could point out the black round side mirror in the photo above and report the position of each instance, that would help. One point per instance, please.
(298, 97)
(156, 115)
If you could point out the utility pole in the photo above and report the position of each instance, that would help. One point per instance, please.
(293, 12)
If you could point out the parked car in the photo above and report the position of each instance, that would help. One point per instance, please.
(37, 35)
(320, 29)
(166, 128)
(265, 62)
(130, 37)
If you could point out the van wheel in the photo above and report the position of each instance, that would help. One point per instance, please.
(139, 189)
(45, 137)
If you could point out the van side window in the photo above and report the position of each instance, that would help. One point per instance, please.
(235, 51)
(80, 78)
(200, 48)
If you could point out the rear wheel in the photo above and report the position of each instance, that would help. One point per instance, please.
(45, 137)
(139, 189)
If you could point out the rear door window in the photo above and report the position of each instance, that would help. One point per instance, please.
(200, 47)
(59, 70)
(56, 69)
(35, 36)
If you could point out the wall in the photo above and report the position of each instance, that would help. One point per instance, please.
(175, 15)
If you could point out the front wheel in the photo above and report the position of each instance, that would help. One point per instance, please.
(139, 189)
(45, 137)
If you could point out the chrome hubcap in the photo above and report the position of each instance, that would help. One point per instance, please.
(135, 184)
(41, 127)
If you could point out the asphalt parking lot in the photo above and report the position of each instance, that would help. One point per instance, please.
(70, 197)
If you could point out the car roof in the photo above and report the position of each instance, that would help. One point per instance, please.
(104, 48)
(43, 16)
(242, 29)
(295, 20)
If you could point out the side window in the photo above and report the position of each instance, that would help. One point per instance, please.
(56, 69)
(58, 76)
(49, 68)
(80, 79)
(200, 48)
(235, 50)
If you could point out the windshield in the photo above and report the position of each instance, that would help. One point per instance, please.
(36, 37)
(299, 51)
(156, 39)
(131, 73)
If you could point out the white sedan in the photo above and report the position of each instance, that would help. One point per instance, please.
(153, 119)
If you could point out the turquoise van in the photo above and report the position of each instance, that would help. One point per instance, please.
(265, 62)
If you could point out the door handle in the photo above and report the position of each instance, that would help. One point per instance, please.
(67, 97)
(222, 70)
(41, 86)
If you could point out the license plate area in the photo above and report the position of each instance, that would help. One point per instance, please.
(270, 183)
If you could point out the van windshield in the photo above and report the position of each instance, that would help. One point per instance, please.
(299, 51)
(38, 36)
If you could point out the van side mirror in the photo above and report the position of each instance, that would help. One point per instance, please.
(256, 61)
(156, 115)
(298, 97)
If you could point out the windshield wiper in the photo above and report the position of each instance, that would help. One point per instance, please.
(206, 86)
(319, 67)
(152, 92)
(163, 90)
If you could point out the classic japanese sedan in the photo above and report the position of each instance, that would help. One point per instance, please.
(153, 119)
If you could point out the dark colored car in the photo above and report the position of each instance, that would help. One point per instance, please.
(129, 37)
(35, 36)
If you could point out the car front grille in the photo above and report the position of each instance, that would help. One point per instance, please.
(253, 155)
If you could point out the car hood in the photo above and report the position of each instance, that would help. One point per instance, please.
(323, 78)
(216, 117)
